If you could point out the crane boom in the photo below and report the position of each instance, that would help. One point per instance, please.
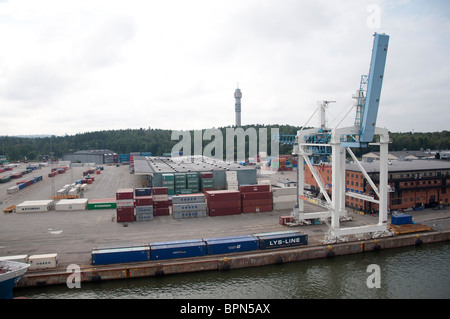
(375, 81)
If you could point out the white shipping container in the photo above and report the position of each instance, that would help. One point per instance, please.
(189, 214)
(144, 217)
(125, 203)
(73, 191)
(83, 187)
(72, 204)
(35, 206)
(144, 209)
(12, 189)
(43, 261)
(18, 258)
(62, 191)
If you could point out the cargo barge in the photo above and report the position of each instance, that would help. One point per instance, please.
(221, 261)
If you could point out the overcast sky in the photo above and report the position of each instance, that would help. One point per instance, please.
(69, 67)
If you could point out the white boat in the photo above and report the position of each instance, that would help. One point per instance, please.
(10, 273)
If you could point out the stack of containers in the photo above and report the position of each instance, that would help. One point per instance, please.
(223, 202)
(125, 205)
(256, 198)
(180, 183)
(232, 181)
(192, 182)
(144, 204)
(168, 180)
(207, 181)
(189, 206)
(160, 199)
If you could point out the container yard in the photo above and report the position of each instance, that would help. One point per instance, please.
(118, 229)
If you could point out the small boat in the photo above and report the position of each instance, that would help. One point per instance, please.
(10, 273)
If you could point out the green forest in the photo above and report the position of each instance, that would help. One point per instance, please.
(158, 141)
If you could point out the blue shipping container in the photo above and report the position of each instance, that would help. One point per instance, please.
(228, 245)
(281, 239)
(401, 219)
(180, 249)
(120, 255)
(142, 191)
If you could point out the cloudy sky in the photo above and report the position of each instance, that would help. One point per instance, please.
(75, 66)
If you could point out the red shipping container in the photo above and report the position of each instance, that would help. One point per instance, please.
(224, 211)
(286, 219)
(161, 211)
(257, 209)
(164, 204)
(125, 214)
(257, 202)
(223, 195)
(224, 204)
(126, 193)
(206, 175)
(160, 191)
(256, 195)
(254, 188)
(143, 201)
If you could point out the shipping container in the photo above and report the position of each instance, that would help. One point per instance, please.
(181, 249)
(224, 204)
(189, 214)
(191, 198)
(71, 204)
(35, 206)
(125, 214)
(256, 195)
(281, 239)
(254, 188)
(224, 211)
(257, 209)
(126, 193)
(257, 202)
(125, 203)
(401, 219)
(144, 200)
(120, 255)
(223, 195)
(142, 192)
(188, 207)
(16, 258)
(144, 217)
(160, 197)
(161, 211)
(43, 261)
(144, 209)
(160, 191)
(228, 245)
(106, 203)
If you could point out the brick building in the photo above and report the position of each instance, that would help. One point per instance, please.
(417, 183)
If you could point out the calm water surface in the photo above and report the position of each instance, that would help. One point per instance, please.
(412, 272)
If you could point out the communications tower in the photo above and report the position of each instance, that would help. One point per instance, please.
(237, 106)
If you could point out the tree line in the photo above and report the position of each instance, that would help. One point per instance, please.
(158, 141)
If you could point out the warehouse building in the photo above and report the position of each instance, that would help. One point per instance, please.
(413, 184)
(153, 169)
(91, 156)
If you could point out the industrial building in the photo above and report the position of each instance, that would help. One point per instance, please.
(91, 156)
(153, 169)
(413, 183)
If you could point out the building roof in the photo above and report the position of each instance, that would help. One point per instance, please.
(402, 154)
(94, 152)
(398, 166)
(148, 165)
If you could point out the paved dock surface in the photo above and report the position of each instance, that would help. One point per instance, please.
(73, 234)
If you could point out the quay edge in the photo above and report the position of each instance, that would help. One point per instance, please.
(226, 262)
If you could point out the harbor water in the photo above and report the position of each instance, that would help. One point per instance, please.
(405, 273)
